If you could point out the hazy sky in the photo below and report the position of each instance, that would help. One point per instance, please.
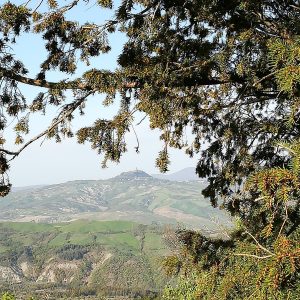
(53, 163)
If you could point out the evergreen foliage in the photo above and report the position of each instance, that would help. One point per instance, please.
(261, 258)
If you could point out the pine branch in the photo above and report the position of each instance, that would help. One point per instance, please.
(77, 84)
(43, 83)
(69, 109)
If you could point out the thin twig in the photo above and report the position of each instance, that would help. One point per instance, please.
(137, 140)
(252, 255)
(259, 245)
(265, 77)
(38, 5)
(294, 6)
(141, 120)
(27, 3)
(284, 221)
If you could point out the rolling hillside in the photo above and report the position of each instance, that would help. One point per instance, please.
(134, 196)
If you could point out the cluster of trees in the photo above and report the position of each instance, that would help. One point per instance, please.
(229, 70)
(72, 252)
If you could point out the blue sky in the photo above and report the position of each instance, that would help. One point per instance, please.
(53, 163)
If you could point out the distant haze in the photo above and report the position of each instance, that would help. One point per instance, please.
(186, 174)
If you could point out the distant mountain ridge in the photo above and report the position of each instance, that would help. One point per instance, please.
(134, 196)
(186, 174)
